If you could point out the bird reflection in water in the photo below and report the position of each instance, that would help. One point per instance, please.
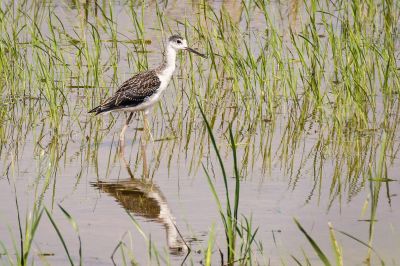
(145, 199)
(142, 197)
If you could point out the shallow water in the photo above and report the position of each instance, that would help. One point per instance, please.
(77, 165)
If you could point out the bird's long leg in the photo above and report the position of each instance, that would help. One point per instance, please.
(122, 134)
(143, 146)
(123, 159)
(121, 147)
(146, 137)
(146, 127)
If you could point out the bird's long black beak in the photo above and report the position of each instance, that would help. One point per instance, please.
(195, 52)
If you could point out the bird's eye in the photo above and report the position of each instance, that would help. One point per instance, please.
(179, 41)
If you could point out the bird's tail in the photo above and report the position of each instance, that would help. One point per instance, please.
(106, 106)
(102, 109)
(96, 110)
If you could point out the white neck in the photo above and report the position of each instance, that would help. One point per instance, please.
(169, 61)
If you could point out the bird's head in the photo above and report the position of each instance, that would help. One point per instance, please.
(179, 43)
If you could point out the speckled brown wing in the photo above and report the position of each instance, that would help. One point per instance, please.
(138, 87)
(131, 93)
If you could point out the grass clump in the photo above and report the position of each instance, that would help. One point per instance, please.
(229, 214)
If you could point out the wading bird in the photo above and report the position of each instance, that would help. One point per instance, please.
(143, 90)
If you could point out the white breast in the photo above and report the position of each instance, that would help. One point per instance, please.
(165, 78)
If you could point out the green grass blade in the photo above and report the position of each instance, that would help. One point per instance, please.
(59, 236)
(362, 243)
(210, 246)
(335, 245)
(214, 143)
(22, 261)
(319, 252)
(75, 226)
(237, 176)
(296, 260)
(32, 234)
